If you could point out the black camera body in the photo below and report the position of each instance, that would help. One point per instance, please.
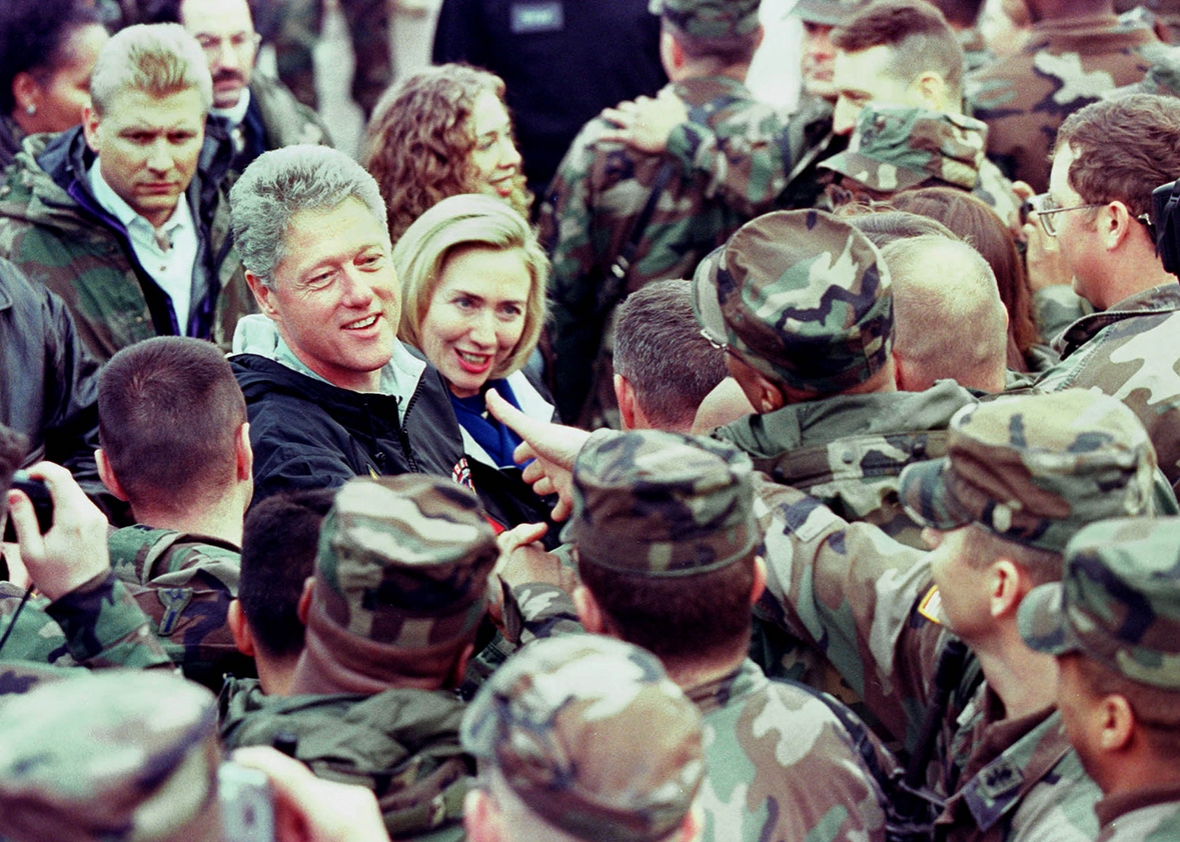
(38, 494)
(1165, 201)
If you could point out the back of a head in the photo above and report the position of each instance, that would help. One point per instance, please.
(158, 59)
(974, 221)
(169, 417)
(1124, 149)
(284, 182)
(660, 351)
(583, 737)
(400, 586)
(278, 555)
(33, 36)
(718, 34)
(665, 535)
(882, 227)
(419, 140)
(950, 322)
(915, 31)
(110, 756)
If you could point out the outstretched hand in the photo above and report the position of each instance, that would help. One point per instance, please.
(551, 447)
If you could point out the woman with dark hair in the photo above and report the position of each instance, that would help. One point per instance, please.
(47, 51)
(979, 226)
(443, 132)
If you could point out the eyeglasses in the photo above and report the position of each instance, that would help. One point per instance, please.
(717, 346)
(239, 42)
(1045, 208)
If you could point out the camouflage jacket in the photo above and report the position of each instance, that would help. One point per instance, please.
(729, 163)
(766, 746)
(1130, 351)
(96, 625)
(1145, 816)
(402, 743)
(184, 583)
(859, 595)
(1064, 65)
(52, 227)
(849, 450)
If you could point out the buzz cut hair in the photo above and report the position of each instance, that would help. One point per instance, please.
(915, 30)
(159, 59)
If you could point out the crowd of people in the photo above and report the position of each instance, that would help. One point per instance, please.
(700, 468)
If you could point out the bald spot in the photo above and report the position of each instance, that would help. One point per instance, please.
(949, 320)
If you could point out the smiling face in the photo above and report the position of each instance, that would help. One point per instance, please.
(148, 147)
(59, 94)
(335, 298)
(476, 315)
(494, 156)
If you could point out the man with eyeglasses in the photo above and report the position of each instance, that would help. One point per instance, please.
(1109, 157)
(259, 112)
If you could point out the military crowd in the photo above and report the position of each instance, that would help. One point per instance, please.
(862, 521)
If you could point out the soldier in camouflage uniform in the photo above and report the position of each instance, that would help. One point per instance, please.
(397, 598)
(898, 147)
(96, 248)
(600, 190)
(1022, 475)
(583, 737)
(1114, 625)
(1076, 50)
(1109, 157)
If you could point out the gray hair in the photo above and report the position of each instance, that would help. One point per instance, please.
(284, 182)
(159, 59)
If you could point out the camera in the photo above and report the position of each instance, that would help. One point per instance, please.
(1166, 221)
(38, 493)
(247, 806)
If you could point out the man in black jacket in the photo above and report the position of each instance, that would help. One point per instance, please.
(331, 393)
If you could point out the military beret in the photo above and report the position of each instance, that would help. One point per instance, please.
(1035, 469)
(662, 504)
(592, 735)
(1118, 601)
(802, 297)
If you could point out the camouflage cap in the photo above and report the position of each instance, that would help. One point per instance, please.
(405, 558)
(592, 735)
(1036, 468)
(801, 296)
(896, 147)
(826, 12)
(1118, 602)
(709, 18)
(662, 504)
(116, 755)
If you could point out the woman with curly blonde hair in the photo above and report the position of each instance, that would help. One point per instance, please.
(442, 132)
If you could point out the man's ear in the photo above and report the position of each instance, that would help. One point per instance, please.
(108, 476)
(262, 294)
(1009, 583)
(304, 605)
(625, 397)
(1114, 224)
(90, 121)
(1117, 722)
(244, 453)
(759, 579)
(589, 611)
(239, 628)
(932, 91)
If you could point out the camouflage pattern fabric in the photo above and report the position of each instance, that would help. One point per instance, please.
(300, 24)
(401, 743)
(86, 261)
(709, 18)
(1118, 602)
(1064, 65)
(592, 735)
(735, 156)
(662, 504)
(184, 583)
(1057, 307)
(897, 147)
(1156, 822)
(1166, 12)
(136, 760)
(1130, 351)
(801, 296)
(1031, 481)
(400, 582)
(96, 625)
(976, 52)
(855, 593)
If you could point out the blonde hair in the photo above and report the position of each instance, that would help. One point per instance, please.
(457, 222)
